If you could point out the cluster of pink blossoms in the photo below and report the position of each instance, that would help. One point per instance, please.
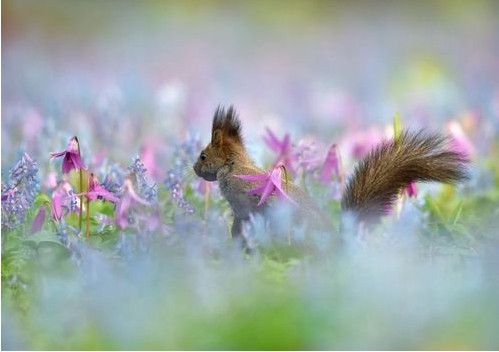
(65, 200)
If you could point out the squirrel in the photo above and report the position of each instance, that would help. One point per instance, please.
(370, 191)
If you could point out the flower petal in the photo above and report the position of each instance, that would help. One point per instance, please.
(277, 181)
(281, 192)
(122, 210)
(39, 220)
(272, 141)
(76, 160)
(67, 164)
(257, 190)
(57, 154)
(411, 189)
(331, 165)
(136, 197)
(56, 206)
(286, 144)
(253, 177)
(102, 192)
(267, 192)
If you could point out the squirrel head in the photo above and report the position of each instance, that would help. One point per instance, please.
(226, 144)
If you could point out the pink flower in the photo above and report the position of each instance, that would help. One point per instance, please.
(271, 183)
(126, 202)
(39, 220)
(411, 189)
(283, 147)
(306, 155)
(204, 186)
(72, 159)
(95, 190)
(361, 142)
(64, 198)
(460, 142)
(332, 166)
(148, 157)
(50, 181)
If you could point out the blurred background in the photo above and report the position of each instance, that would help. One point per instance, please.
(121, 74)
(145, 77)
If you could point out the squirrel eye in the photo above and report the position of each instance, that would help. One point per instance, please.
(202, 156)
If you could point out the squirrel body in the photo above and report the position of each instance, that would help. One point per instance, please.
(371, 190)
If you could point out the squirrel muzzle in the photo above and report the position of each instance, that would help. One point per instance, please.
(203, 173)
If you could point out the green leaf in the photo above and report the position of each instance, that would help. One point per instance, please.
(456, 213)
(80, 185)
(42, 236)
(397, 126)
(102, 207)
(41, 199)
(432, 207)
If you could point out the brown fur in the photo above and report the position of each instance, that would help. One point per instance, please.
(391, 166)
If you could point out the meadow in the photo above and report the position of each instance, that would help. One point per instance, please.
(111, 242)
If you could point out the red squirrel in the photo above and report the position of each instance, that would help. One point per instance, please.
(372, 188)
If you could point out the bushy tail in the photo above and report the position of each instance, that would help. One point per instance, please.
(379, 177)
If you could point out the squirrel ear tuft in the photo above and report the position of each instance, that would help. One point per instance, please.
(217, 137)
(228, 123)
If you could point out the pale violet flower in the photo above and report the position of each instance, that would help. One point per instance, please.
(72, 159)
(271, 184)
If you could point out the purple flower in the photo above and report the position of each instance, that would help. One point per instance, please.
(72, 159)
(460, 142)
(129, 197)
(174, 182)
(283, 148)
(271, 183)
(306, 155)
(332, 166)
(64, 199)
(149, 160)
(39, 220)
(50, 181)
(146, 189)
(20, 191)
(204, 187)
(411, 189)
(361, 142)
(95, 190)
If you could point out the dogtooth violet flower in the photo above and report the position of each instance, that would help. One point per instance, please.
(271, 183)
(64, 198)
(72, 159)
(95, 190)
(459, 141)
(282, 147)
(411, 189)
(307, 157)
(39, 220)
(128, 198)
(331, 166)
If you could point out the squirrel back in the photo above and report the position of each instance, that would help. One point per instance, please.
(415, 156)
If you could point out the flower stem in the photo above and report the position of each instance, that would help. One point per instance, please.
(88, 219)
(81, 184)
(206, 202)
(81, 197)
